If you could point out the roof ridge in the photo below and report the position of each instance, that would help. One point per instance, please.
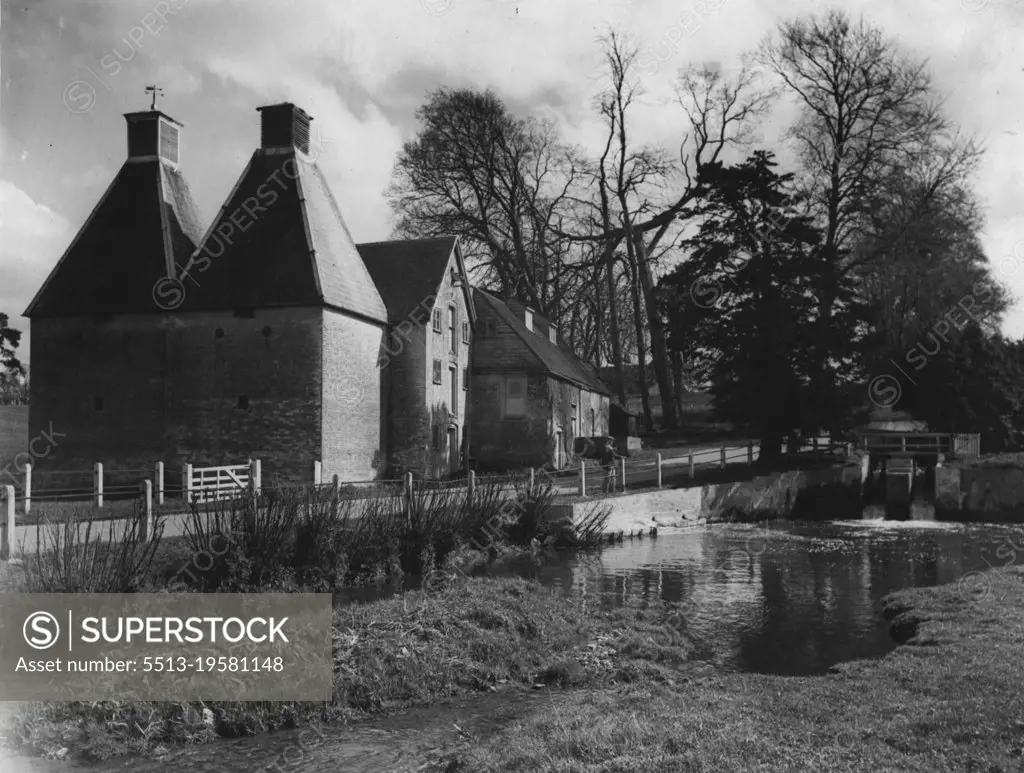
(165, 228)
(407, 241)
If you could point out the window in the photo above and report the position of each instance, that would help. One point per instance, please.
(593, 423)
(455, 391)
(97, 403)
(453, 328)
(437, 437)
(490, 328)
(465, 378)
(437, 371)
(575, 420)
(514, 397)
(465, 332)
(437, 320)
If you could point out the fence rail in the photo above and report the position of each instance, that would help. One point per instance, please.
(961, 445)
(192, 484)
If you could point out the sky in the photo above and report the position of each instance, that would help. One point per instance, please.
(71, 68)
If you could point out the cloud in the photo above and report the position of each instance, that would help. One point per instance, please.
(357, 150)
(32, 239)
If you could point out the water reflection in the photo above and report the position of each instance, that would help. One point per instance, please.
(786, 598)
(795, 598)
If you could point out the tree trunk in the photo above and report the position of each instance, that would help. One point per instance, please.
(677, 382)
(770, 445)
(613, 323)
(659, 349)
(641, 353)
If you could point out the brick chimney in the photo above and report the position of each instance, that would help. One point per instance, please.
(284, 126)
(152, 135)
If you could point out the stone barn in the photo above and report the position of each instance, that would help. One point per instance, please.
(531, 396)
(426, 358)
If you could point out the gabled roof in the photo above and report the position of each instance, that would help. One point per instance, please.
(280, 240)
(551, 358)
(143, 225)
(407, 271)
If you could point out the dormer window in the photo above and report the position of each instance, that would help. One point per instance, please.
(553, 334)
(528, 319)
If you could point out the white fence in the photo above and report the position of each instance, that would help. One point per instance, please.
(198, 484)
(210, 484)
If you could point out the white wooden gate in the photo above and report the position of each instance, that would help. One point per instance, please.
(208, 484)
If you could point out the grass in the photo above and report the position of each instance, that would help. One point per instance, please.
(409, 650)
(950, 700)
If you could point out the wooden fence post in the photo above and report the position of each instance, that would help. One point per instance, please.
(532, 480)
(255, 476)
(691, 466)
(623, 465)
(750, 453)
(583, 478)
(159, 483)
(471, 485)
(7, 545)
(336, 485)
(408, 498)
(814, 444)
(659, 470)
(723, 458)
(147, 522)
(186, 483)
(318, 473)
(28, 487)
(97, 484)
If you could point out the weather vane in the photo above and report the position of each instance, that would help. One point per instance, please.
(155, 91)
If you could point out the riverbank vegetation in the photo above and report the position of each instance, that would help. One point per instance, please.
(412, 649)
(949, 700)
(469, 635)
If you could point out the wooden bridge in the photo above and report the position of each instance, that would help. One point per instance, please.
(920, 444)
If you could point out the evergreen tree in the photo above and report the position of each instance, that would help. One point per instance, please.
(742, 308)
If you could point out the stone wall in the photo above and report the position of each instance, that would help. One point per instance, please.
(965, 493)
(832, 493)
(353, 440)
(209, 388)
(503, 444)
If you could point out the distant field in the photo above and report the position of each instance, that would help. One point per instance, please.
(13, 432)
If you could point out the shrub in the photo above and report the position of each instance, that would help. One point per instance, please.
(72, 556)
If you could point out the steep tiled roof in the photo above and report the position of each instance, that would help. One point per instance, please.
(407, 271)
(552, 358)
(144, 224)
(280, 240)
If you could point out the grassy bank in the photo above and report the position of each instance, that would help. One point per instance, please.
(415, 649)
(950, 700)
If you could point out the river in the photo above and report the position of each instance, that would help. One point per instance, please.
(783, 597)
(790, 598)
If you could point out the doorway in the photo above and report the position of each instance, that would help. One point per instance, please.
(453, 450)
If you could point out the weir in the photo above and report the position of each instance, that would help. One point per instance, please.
(900, 480)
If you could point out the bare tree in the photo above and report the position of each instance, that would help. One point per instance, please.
(497, 181)
(653, 202)
(869, 116)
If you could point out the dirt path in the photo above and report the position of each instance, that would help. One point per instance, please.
(402, 743)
